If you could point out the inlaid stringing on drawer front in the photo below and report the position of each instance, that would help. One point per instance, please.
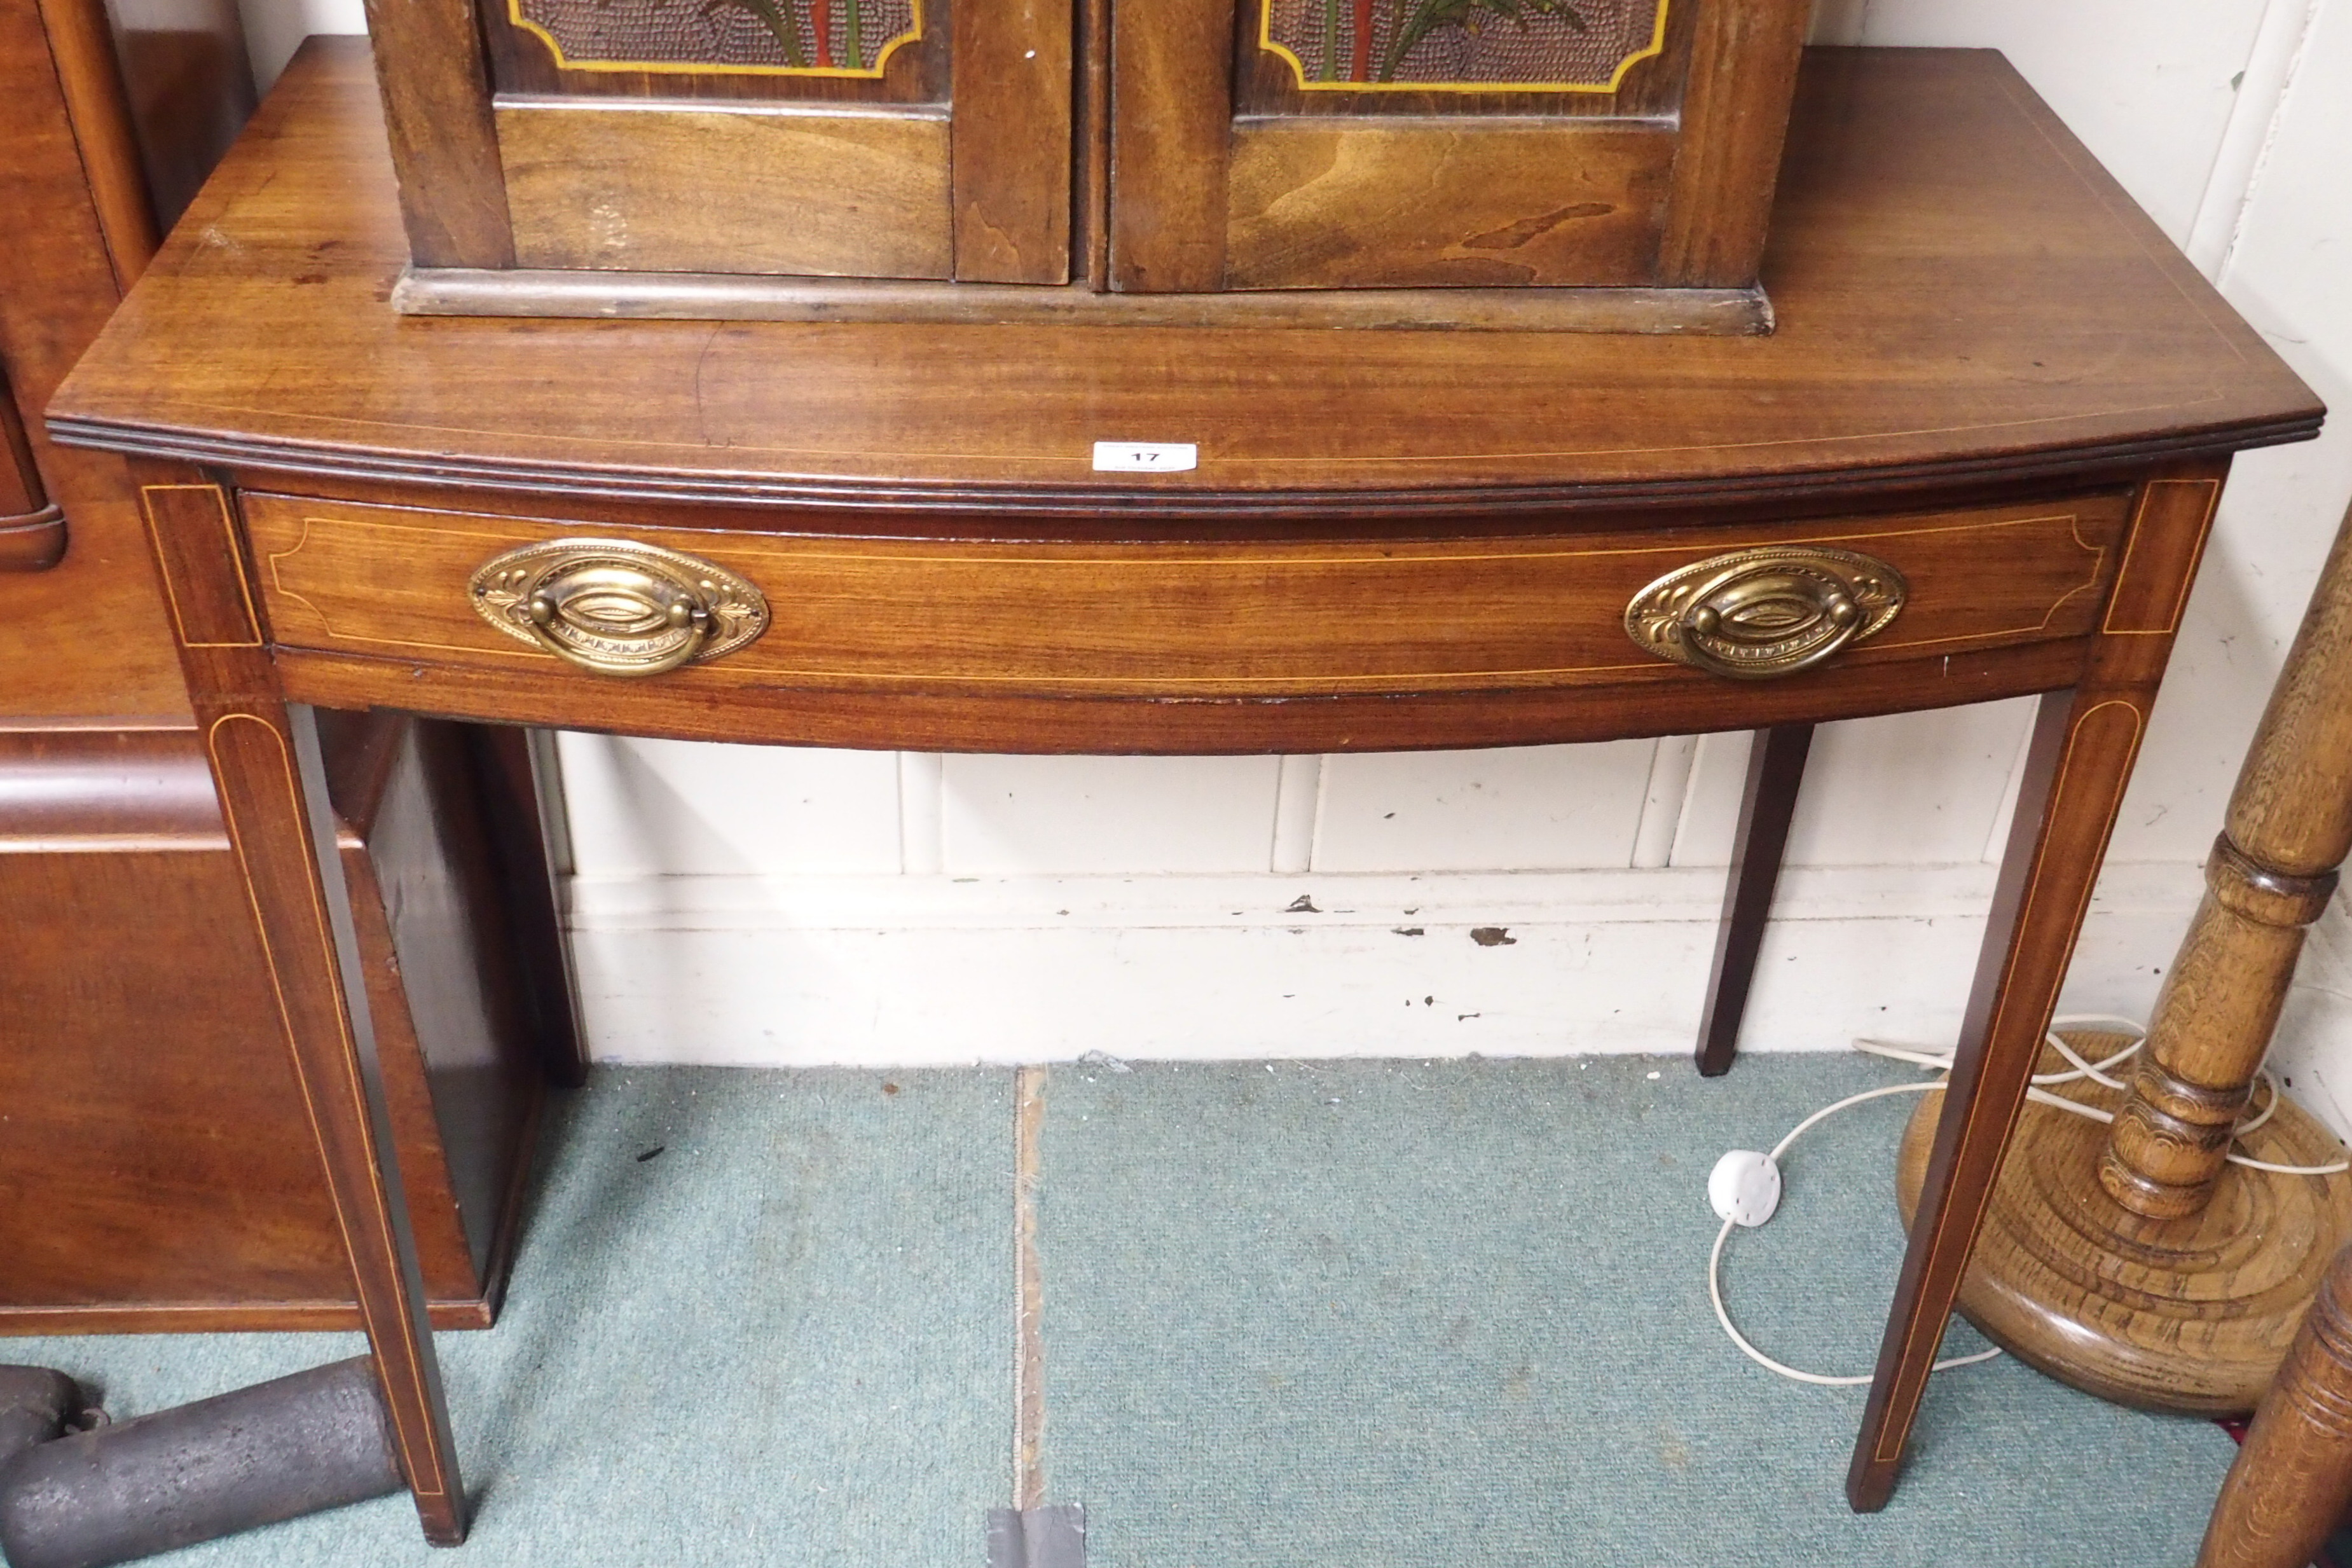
(1179, 619)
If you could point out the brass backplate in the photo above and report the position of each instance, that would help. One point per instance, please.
(616, 606)
(1772, 610)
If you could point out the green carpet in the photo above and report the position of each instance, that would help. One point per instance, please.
(1328, 1315)
(1363, 1315)
(783, 1341)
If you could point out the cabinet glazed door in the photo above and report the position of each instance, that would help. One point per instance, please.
(1393, 143)
(922, 139)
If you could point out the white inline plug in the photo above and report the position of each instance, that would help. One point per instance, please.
(1744, 1187)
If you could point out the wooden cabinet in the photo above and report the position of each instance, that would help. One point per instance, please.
(1217, 149)
(157, 1168)
(157, 1164)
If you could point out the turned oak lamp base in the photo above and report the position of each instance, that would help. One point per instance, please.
(2191, 1315)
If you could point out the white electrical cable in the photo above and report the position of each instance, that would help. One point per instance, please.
(2096, 1072)
(1714, 1258)
(2077, 1070)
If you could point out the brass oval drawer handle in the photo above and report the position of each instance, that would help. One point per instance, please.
(617, 607)
(1770, 611)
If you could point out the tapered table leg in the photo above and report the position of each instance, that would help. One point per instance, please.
(2292, 1480)
(2076, 768)
(1776, 767)
(266, 763)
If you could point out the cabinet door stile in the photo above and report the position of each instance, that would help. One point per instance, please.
(437, 108)
(1735, 116)
(1010, 143)
(1172, 111)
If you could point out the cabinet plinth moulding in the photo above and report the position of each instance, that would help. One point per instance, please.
(1598, 166)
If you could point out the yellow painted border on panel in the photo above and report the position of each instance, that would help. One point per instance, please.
(1657, 46)
(688, 68)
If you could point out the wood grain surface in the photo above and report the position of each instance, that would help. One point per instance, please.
(61, 274)
(2273, 872)
(2066, 332)
(1667, 182)
(98, 111)
(2189, 1315)
(435, 100)
(159, 1172)
(627, 183)
(2292, 1482)
(2077, 765)
(268, 767)
(1735, 114)
(1172, 111)
(1010, 128)
(1198, 620)
(1325, 202)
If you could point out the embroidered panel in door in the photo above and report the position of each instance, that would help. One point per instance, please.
(786, 37)
(1462, 45)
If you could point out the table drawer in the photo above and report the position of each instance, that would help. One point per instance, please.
(1157, 619)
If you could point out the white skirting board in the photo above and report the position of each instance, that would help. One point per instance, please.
(913, 971)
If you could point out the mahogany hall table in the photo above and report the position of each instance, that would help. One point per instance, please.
(1978, 458)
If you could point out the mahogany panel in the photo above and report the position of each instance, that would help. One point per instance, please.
(648, 186)
(189, 87)
(158, 1172)
(1735, 118)
(98, 115)
(1174, 726)
(1170, 108)
(1012, 132)
(436, 112)
(2168, 539)
(186, 525)
(58, 282)
(1167, 619)
(1328, 203)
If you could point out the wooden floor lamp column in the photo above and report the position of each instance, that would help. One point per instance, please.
(2135, 1260)
(2292, 1480)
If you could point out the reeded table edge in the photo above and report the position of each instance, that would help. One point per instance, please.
(2075, 465)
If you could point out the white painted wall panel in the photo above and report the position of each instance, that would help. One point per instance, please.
(1037, 816)
(904, 972)
(1710, 816)
(2288, 269)
(1520, 808)
(2146, 84)
(1908, 788)
(677, 808)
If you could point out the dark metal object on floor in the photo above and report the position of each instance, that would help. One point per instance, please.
(316, 1440)
(36, 1405)
(1053, 1536)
